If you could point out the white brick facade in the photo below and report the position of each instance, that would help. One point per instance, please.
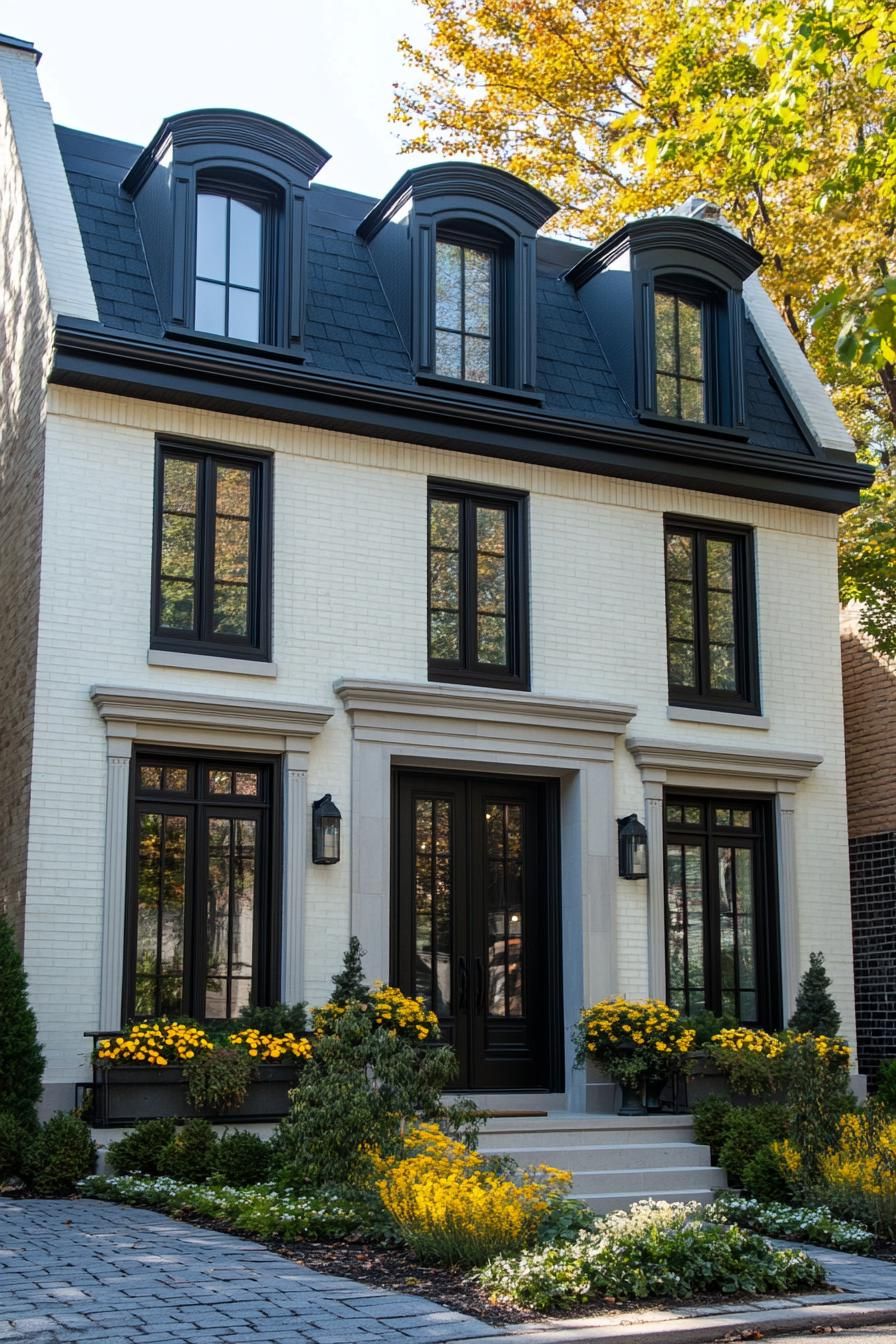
(350, 600)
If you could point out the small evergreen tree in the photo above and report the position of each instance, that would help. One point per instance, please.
(21, 1058)
(815, 1009)
(349, 984)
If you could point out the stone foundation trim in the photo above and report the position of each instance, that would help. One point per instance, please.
(697, 765)
(188, 719)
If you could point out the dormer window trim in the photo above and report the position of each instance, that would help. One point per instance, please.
(468, 202)
(723, 361)
(240, 152)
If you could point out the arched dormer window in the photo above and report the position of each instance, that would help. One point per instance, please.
(454, 244)
(689, 332)
(667, 294)
(236, 255)
(470, 319)
(221, 199)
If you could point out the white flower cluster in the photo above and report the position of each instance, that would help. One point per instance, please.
(817, 1225)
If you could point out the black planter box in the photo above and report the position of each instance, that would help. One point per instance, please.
(126, 1093)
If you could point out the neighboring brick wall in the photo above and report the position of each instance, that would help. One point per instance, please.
(869, 705)
(869, 708)
(25, 320)
(873, 877)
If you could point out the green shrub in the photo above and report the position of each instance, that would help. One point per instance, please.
(651, 1250)
(767, 1178)
(21, 1058)
(276, 1020)
(349, 985)
(818, 1096)
(191, 1154)
(749, 1130)
(141, 1149)
(61, 1154)
(218, 1080)
(242, 1159)
(711, 1118)
(15, 1139)
(359, 1089)
(885, 1088)
(815, 1009)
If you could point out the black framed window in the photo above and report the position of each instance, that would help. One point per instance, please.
(681, 323)
(722, 946)
(465, 310)
(711, 617)
(229, 237)
(201, 927)
(478, 600)
(212, 574)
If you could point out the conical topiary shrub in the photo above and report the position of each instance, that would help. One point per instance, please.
(815, 1010)
(21, 1058)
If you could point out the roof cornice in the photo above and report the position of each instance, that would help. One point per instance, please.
(434, 181)
(95, 357)
(669, 231)
(233, 127)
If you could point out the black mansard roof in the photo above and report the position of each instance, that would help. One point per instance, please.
(357, 373)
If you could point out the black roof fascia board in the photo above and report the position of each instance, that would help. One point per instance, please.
(151, 368)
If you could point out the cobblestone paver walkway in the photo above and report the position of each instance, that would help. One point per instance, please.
(105, 1274)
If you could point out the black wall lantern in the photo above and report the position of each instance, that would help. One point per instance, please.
(326, 820)
(632, 847)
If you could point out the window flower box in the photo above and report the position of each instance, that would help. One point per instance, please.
(126, 1093)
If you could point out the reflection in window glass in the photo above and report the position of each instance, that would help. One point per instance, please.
(491, 587)
(177, 589)
(230, 915)
(161, 889)
(680, 364)
(228, 266)
(444, 579)
(504, 896)
(433, 902)
(463, 326)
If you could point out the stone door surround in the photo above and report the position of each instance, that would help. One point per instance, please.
(188, 719)
(733, 769)
(438, 726)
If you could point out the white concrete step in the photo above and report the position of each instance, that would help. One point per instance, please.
(648, 1182)
(606, 1157)
(615, 1160)
(570, 1130)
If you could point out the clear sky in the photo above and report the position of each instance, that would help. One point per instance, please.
(324, 66)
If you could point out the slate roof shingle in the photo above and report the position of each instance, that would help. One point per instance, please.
(350, 327)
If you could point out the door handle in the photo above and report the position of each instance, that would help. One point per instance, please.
(461, 984)
(480, 986)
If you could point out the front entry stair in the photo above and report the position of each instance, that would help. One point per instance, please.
(615, 1160)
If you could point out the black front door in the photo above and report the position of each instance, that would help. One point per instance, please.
(477, 927)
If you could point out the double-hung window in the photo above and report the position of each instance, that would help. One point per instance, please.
(235, 243)
(711, 617)
(212, 585)
(478, 621)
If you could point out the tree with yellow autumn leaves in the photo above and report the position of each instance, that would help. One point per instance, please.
(782, 112)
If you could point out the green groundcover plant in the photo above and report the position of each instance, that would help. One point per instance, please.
(651, 1250)
(816, 1225)
(261, 1210)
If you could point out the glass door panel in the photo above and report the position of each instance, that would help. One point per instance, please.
(230, 916)
(434, 826)
(160, 925)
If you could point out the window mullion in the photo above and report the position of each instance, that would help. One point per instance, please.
(208, 548)
(701, 614)
(469, 596)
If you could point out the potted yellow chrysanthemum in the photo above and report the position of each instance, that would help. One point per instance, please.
(639, 1044)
